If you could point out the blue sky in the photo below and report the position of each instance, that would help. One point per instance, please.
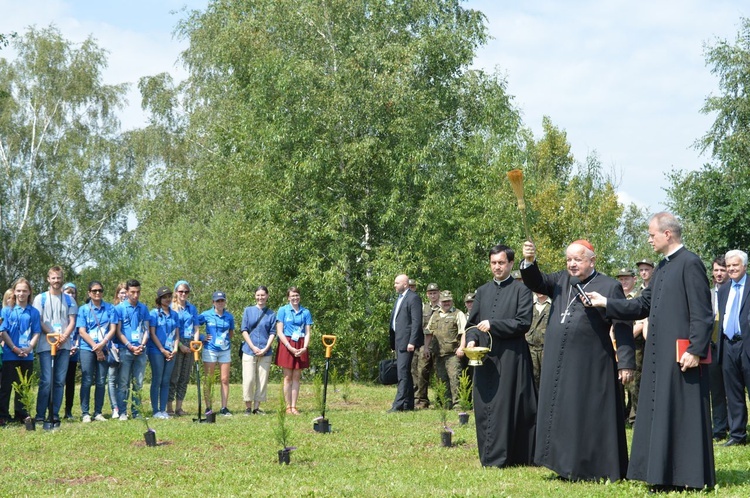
(626, 80)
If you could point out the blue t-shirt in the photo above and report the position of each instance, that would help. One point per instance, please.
(294, 322)
(21, 325)
(218, 328)
(260, 325)
(95, 321)
(135, 321)
(164, 327)
(188, 318)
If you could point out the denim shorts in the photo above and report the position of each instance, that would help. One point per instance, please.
(217, 356)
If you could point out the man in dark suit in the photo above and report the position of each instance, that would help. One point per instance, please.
(406, 336)
(734, 347)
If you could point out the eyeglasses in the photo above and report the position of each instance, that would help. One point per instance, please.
(183, 292)
(96, 291)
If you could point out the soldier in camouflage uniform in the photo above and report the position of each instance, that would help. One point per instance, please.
(447, 328)
(535, 335)
(422, 365)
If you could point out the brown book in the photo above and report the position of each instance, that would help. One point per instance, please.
(682, 345)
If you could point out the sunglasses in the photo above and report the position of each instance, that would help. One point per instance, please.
(183, 292)
(96, 291)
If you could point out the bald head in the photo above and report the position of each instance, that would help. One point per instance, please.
(401, 283)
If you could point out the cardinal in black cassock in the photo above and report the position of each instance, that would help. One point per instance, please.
(505, 397)
(580, 420)
(672, 444)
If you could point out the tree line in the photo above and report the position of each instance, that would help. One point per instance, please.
(327, 146)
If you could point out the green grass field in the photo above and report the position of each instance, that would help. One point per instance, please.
(370, 453)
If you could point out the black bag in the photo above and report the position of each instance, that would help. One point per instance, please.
(387, 375)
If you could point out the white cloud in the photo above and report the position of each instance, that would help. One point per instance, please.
(626, 79)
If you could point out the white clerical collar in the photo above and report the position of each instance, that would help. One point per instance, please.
(500, 282)
(672, 253)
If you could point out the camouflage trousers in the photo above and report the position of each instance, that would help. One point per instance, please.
(421, 371)
(537, 354)
(635, 386)
(448, 369)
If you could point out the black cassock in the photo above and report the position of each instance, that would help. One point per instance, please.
(672, 435)
(504, 392)
(581, 421)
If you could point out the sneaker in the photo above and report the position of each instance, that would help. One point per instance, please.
(225, 411)
(115, 413)
(249, 411)
(100, 418)
(258, 411)
(68, 416)
(123, 417)
(86, 418)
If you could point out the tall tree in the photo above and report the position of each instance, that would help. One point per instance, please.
(332, 145)
(712, 200)
(66, 169)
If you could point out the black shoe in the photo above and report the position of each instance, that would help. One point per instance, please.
(258, 411)
(68, 416)
(719, 437)
(734, 442)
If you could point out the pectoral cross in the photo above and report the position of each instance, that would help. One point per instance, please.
(564, 314)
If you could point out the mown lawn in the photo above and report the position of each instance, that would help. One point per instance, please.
(370, 453)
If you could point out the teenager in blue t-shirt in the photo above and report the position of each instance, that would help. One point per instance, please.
(293, 323)
(258, 332)
(20, 330)
(133, 334)
(217, 346)
(97, 325)
(189, 320)
(165, 335)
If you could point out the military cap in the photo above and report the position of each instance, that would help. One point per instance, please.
(432, 287)
(446, 296)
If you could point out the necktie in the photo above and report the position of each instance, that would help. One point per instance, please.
(733, 322)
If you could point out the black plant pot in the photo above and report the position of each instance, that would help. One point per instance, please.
(446, 439)
(211, 418)
(30, 424)
(463, 418)
(150, 437)
(322, 425)
(284, 457)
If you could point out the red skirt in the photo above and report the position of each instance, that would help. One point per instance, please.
(285, 359)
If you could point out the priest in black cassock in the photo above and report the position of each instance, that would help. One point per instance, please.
(672, 446)
(504, 393)
(581, 420)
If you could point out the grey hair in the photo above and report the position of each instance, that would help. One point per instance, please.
(667, 221)
(736, 253)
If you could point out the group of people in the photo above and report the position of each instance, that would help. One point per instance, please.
(114, 341)
(574, 421)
